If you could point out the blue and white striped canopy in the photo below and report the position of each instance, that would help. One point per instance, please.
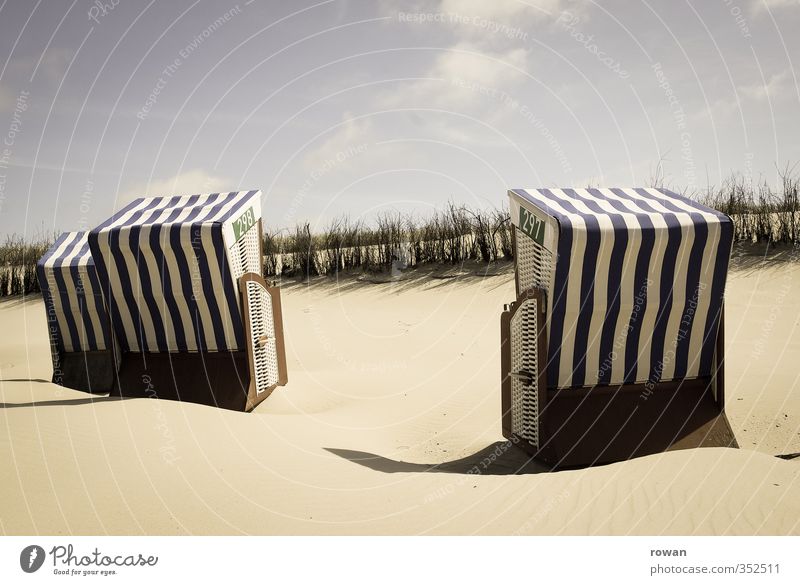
(76, 315)
(169, 268)
(636, 286)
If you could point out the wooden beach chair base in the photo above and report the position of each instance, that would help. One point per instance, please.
(212, 378)
(581, 427)
(87, 371)
(236, 380)
(576, 427)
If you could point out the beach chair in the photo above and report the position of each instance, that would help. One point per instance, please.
(614, 345)
(81, 345)
(194, 317)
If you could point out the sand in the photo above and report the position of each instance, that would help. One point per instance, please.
(393, 397)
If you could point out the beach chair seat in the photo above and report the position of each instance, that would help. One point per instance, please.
(614, 345)
(194, 317)
(81, 344)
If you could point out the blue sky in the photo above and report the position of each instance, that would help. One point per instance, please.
(354, 107)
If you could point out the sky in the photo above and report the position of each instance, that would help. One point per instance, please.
(361, 107)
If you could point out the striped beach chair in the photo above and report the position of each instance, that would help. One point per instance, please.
(614, 345)
(187, 301)
(81, 344)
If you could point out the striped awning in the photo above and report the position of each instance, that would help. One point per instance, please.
(169, 267)
(637, 282)
(76, 316)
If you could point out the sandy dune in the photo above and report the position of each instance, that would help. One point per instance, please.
(391, 409)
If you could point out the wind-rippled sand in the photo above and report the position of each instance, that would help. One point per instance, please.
(390, 424)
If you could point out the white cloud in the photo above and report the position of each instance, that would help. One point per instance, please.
(464, 78)
(52, 64)
(500, 24)
(349, 139)
(483, 69)
(764, 6)
(776, 86)
(187, 183)
(467, 63)
(488, 57)
(502, 10)
(717, 111)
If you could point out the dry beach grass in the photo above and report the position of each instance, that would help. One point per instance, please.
(450, 235)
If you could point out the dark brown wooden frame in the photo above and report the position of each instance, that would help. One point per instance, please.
(505, 344)
(253, 398)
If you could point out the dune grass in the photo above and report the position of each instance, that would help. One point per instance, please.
(450, 235)
(759, 213)
(458, 233)
(18, 265)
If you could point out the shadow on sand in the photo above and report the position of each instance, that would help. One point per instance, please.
(500, 458)
(31, 380)
(430, 276)
(9, 302)
(72, 402)
(749, 258)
